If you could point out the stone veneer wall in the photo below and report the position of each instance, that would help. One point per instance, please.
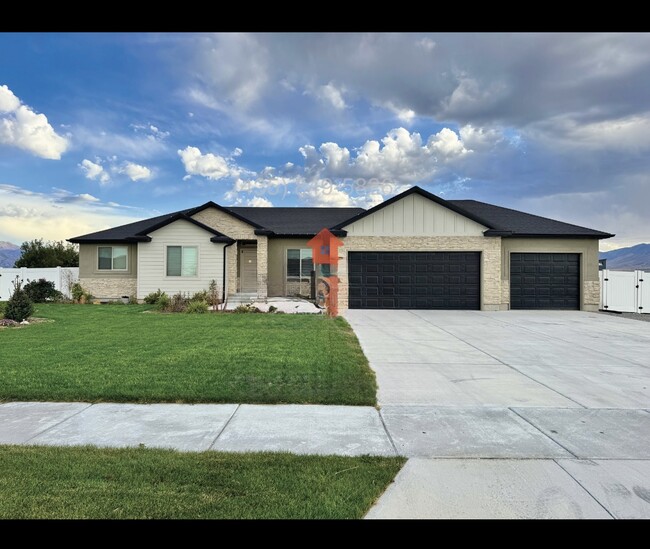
(297, 287)
(490, 248)
(591, 295)
(110, 288)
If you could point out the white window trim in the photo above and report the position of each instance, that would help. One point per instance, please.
(198, 261)
(299, 278)
(112, 258)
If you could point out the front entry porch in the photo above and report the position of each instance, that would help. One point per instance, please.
(247, 267)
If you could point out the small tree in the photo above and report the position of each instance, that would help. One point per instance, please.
(40, 254)
(19, 307)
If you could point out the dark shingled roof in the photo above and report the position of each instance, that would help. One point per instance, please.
(306, 222)
(296, 221)
(525, 224)
(124, 233)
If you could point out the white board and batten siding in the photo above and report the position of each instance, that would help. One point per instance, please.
(152, 260)
(415, 215)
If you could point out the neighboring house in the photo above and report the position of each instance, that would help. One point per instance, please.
(414, 250)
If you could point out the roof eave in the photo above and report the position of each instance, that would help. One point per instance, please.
(222, 239)
(597, 236)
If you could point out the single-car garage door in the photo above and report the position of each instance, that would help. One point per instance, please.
(414, 280)
(544, 281)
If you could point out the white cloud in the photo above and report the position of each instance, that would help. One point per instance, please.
(210, 166)
(259, 202)
(138, 146)
(426, 44)
(94, 171)
(152, 132)
(58, 215)
(331, 95)
(333, 175)
(135, 172)
(25, 129)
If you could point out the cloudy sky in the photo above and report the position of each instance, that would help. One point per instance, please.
(102, 129)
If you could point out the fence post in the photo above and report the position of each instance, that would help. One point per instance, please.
(58, 278)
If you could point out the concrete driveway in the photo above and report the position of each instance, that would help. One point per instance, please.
(558, 401)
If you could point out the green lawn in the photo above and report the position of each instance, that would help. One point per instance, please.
(120, 353)
(41, 482)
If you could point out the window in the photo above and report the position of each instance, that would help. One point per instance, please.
(111, 258)
(182, 260)
(299, 263)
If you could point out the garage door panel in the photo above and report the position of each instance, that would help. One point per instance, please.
(424, 280)
(544, 281)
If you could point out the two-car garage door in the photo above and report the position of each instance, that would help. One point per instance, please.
(451, 280)
(414, 280)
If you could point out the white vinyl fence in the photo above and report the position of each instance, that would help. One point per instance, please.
(625, 291)
(63, 278)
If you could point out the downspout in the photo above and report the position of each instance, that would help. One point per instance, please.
(224, 269)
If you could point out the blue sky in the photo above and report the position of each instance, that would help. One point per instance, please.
(103, 129)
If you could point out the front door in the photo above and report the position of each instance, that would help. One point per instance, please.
(248, 269)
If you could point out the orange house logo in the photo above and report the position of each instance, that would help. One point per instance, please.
(325, 251)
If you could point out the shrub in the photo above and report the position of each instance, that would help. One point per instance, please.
(163, 302)
(8, 322)
(213, 291)
(272, 309)
(203, 295)
(178, 303)
(133, 300)
(244, 309)
(41, 290)
(79, 295)
(77, 291)
(196, 307)
(153, 297)
(19, 307)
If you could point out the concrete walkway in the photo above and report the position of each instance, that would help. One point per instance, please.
(514, 414)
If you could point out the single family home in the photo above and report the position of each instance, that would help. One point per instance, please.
(413, 251)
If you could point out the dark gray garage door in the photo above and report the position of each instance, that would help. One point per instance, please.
(544, 281)
(414, 280)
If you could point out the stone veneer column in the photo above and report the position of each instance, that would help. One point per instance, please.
(232, 254)
(262, 266)
(591, 295)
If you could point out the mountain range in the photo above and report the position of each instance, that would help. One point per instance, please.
(9, 253)
(625, 259)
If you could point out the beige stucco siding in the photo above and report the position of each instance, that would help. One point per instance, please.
(490, 249)
(277, 263)
(415, 215)
(152, 259)
(107, 284)
(88, 262)
(587, 248)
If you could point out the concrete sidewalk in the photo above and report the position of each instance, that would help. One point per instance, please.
(464, 462)
(301, 429)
